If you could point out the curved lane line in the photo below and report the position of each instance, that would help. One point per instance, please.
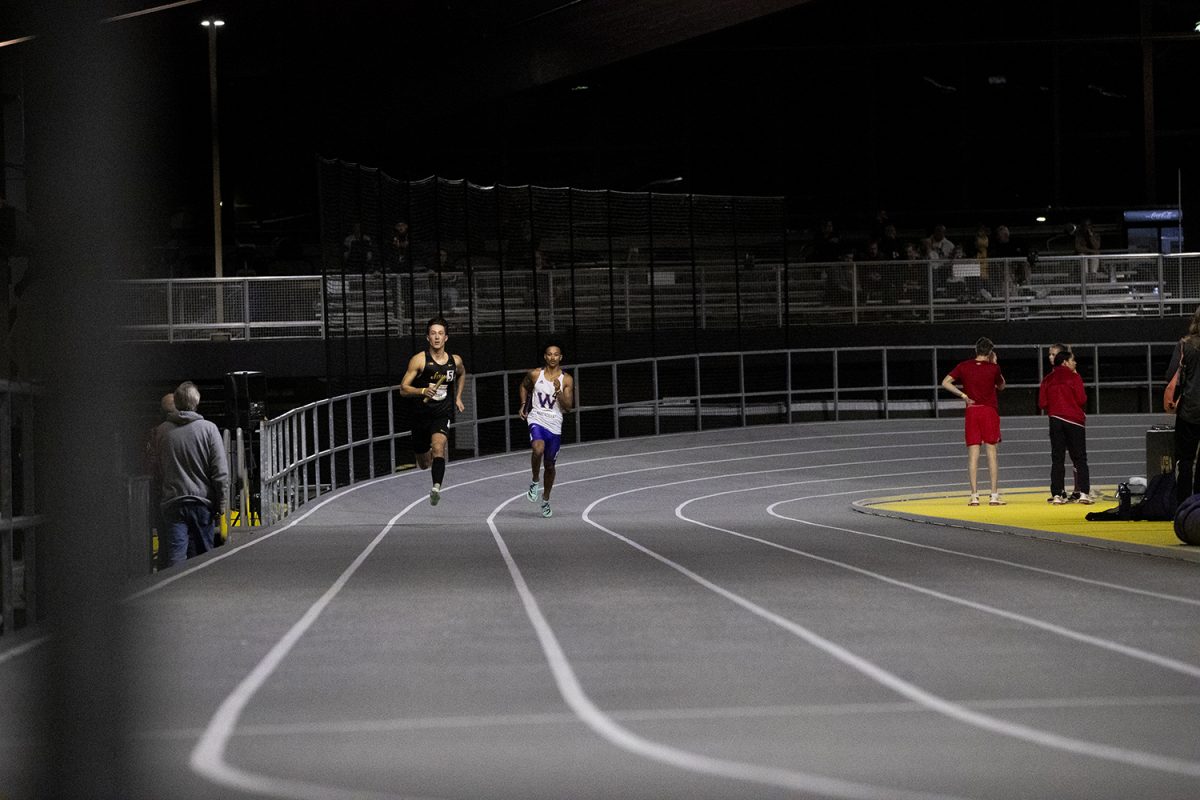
(896, 683)
(605, 726)
(1173, 598)
(208, 756)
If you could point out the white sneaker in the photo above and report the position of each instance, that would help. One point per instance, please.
(974, 501)
(534, 491)
(546, 512)
(996, 501)
(435, 494)
(1085, 499)
(1058, 500)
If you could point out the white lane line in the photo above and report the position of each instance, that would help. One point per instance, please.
(223, 553)
(208, 756)
(896, 683)
(209, 752)
(1173, 598)
(24, 647)
(469, 722)
(1165, 662)
(606, 727)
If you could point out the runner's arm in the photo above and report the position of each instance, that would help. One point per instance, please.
(415, 365)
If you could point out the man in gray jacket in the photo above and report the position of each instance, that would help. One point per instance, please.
(194, 476)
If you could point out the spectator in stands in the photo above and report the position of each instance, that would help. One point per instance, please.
(872, 277)
(448, 275)
(826, 248)
(870, 251)
(1087, 243)
(982, 240)
(890, 248)
(916, 273)
(880, 224)
(1003, 247)
(397, 257)
(194, 477)
(955, 269)
(839, 280)
(357, 248)
(940, 248)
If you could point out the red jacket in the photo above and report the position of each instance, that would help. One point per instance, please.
(1062, 395)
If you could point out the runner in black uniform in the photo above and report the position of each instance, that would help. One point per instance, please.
(434, 381)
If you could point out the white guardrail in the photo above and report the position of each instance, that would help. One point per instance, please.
(668, 295)
(322, 446)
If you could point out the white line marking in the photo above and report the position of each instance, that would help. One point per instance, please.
(1174, 598)
(605, 726)
(24, 647)
(1165, 662)
(223, 553)
(208, 756)
(896, 683)
(469, 722)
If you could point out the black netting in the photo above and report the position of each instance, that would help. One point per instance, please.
(519, 264)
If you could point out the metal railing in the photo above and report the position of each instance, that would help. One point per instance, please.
(20, 522)
(667, 295)
(332, 443)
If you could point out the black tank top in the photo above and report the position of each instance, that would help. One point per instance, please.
(443, 401)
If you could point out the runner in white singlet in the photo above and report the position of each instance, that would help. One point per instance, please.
(546, 393)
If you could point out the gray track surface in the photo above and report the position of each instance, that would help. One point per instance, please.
(703, 617)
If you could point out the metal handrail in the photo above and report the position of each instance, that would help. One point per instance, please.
(771, 293)
(296, 468)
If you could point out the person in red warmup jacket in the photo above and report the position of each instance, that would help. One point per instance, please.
(1063, 398)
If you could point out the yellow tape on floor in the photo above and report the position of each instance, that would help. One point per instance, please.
(1027, 508)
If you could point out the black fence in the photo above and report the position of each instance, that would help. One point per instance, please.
(574, 261)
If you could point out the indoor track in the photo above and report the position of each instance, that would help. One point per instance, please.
(705, 616)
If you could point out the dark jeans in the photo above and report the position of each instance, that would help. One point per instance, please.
(190, 527)
(1187, 438)
(1067, 438)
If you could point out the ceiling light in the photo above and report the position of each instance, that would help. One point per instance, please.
(1039, 219)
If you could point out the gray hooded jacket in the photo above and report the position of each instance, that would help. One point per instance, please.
(191, 461)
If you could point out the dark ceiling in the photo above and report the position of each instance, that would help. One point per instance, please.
(842, 106)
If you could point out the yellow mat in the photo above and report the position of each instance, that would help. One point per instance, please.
(1027, 508)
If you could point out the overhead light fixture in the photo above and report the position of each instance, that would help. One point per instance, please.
(580, 88)
(213, 22)
(1039, 219)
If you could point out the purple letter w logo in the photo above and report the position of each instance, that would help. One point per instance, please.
(546, 400)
